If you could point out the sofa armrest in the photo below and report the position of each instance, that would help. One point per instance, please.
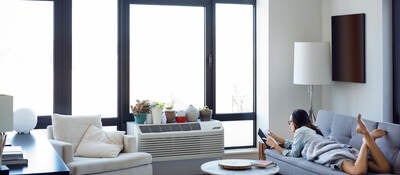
(261, 150)
(64, 149)
(50, 132)
(129, 144)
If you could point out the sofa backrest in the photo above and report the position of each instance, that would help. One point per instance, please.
(342, 128)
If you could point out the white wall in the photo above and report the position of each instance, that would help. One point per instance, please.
(374, 98)
(288, 21)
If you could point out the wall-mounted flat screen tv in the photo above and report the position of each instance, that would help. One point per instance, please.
(348, 48)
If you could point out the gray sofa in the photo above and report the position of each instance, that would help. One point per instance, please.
(342, 129)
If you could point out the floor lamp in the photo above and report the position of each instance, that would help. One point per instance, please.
(6, 123)
(312, 66)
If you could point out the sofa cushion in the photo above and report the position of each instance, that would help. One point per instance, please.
(356, 138)
(390, 145)
(83, 165)
(299, 162)
(68, 128)
(107, 144)
(341, 128)
(324, 121)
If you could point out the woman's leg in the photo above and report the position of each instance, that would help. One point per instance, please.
(379, 163)
(361, 164)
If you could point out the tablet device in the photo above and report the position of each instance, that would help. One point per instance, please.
(262, 135)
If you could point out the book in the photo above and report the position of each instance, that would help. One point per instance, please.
(15, 162)
(263, 163)
(12, 152)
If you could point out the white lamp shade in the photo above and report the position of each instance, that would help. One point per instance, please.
(6, 113)
(24, 120)
(312, 63)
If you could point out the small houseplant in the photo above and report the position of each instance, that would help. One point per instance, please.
(169, 112)
(156, 111)
(140, 111)
(205, 113)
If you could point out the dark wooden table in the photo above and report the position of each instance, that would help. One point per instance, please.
(42, 158)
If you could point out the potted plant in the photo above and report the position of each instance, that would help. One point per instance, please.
(205, 113)
(169, 112)
(140, 111)
(156, 111)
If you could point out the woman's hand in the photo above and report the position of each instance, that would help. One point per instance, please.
(273, 135)
(271, 142)
(277, 139)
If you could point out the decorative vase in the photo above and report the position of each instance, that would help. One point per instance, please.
(170, 114)
(140, 118)
(205, 115)
(149, 119)
(156, 112)
(192, 113)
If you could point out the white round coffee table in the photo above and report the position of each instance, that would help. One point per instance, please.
(212, 167)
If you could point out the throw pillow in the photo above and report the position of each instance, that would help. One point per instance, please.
(100, 144)
(69, 128)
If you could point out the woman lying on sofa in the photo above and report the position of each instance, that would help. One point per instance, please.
(309, 144)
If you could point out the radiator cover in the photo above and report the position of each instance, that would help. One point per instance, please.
(192, 140)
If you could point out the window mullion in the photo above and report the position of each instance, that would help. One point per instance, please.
(209, 59)
(62, 56)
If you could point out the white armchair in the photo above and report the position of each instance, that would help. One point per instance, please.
(129, 161)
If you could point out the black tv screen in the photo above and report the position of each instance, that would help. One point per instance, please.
(348, 48)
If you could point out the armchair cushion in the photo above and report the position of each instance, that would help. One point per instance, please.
(70, 129)
(99, 143)
(83, 165)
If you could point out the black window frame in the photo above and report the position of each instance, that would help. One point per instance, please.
(396, 60)
(123, 52)
(62, 99)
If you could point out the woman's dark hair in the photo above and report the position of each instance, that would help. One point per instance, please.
(300, 118)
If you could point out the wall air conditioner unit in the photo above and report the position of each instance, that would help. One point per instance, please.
(180, 141)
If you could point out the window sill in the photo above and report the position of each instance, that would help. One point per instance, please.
(241, 151)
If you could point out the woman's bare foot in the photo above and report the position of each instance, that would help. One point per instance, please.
(361, 128)
(377, 133)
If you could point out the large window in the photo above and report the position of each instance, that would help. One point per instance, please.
(98, 56)
(194, 52)
(26, 54)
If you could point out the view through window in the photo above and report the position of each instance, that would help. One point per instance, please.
(167, 54)
(26, 54)
(234, 69)
(94, 57)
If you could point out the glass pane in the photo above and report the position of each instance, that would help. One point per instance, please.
(234, 58)
(167, 54)
(94, 57)
(238, 133)
(26, 54)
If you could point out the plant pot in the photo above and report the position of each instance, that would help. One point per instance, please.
(140, 118)
(157, 113)
(206, 115)
(170, 116)
(180, 119)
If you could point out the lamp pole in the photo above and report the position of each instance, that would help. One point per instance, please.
(311, 112)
